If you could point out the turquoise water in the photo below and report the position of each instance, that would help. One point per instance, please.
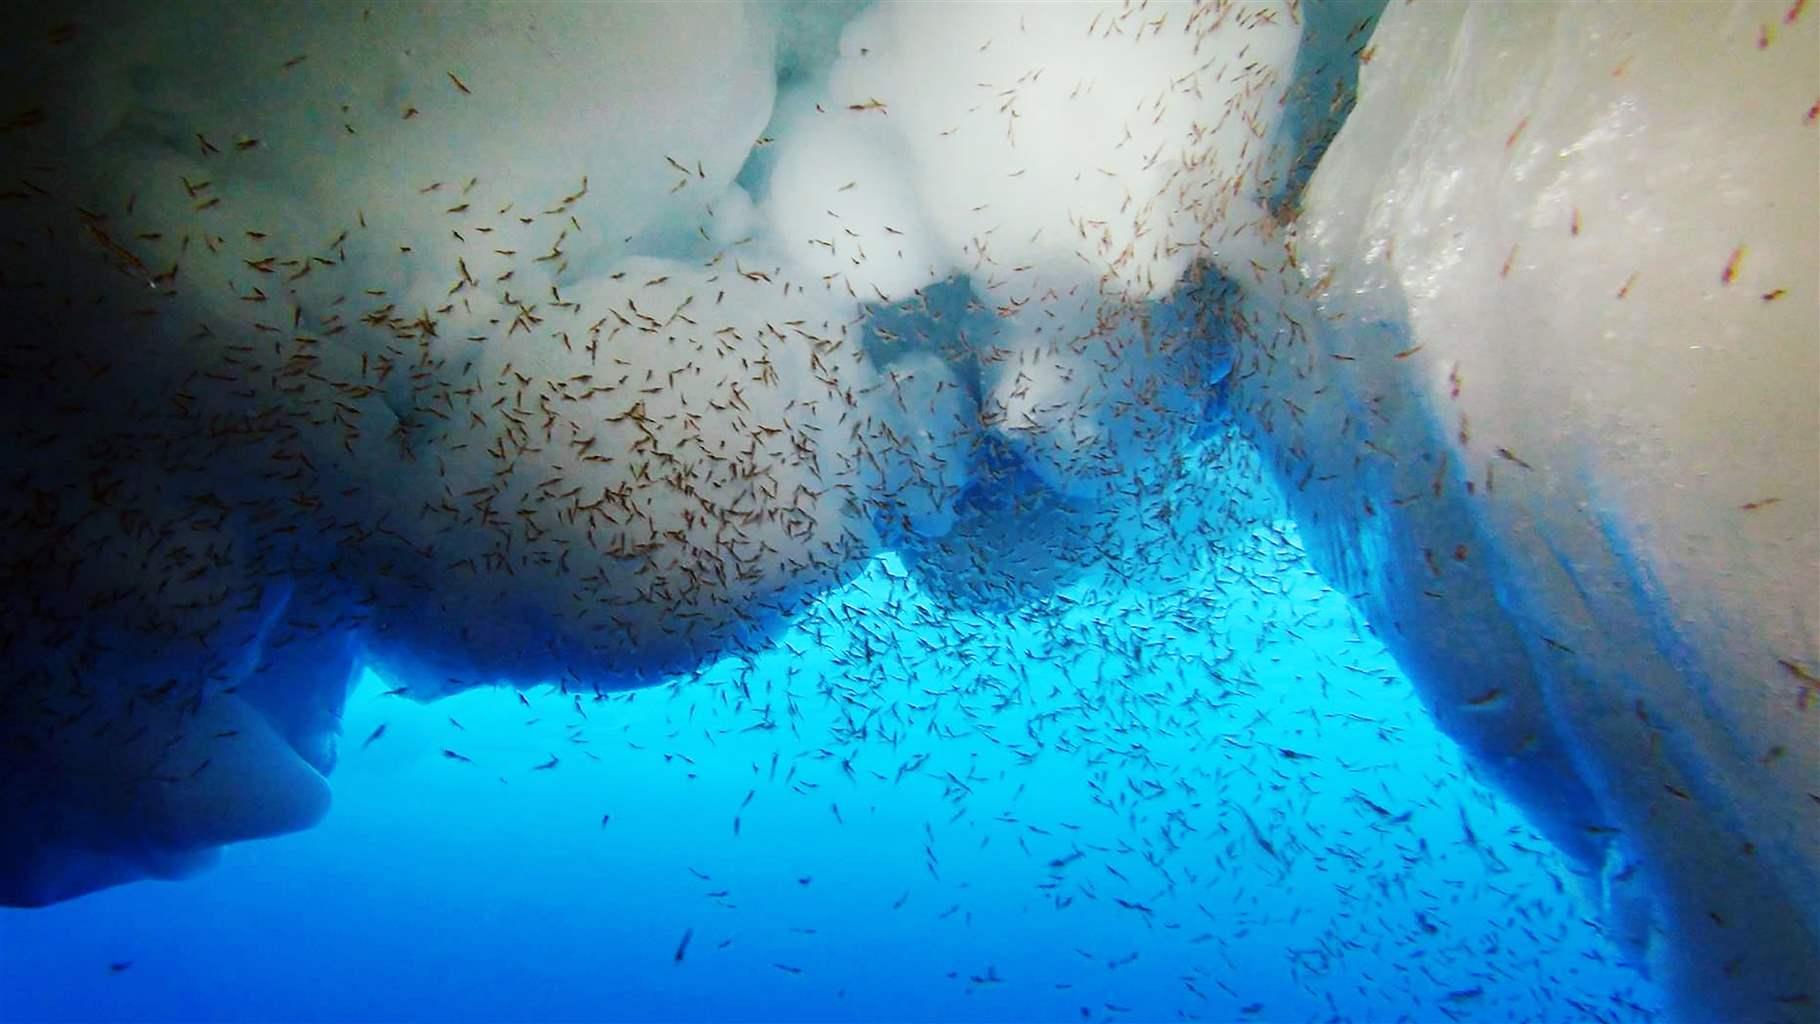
(1202, 793)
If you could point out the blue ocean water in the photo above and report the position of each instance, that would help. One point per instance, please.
(1206, 793)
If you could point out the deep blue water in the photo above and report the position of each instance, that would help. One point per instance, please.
(1208, 798)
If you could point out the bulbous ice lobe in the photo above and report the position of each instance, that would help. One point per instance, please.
(312, 366)
(845, 212)
(1555, 294)
(126, 757)
(1067, 144)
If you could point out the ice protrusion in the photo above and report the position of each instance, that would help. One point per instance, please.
(1554, 284)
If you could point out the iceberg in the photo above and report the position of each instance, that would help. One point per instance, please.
(593, 344)
(1540, 383)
